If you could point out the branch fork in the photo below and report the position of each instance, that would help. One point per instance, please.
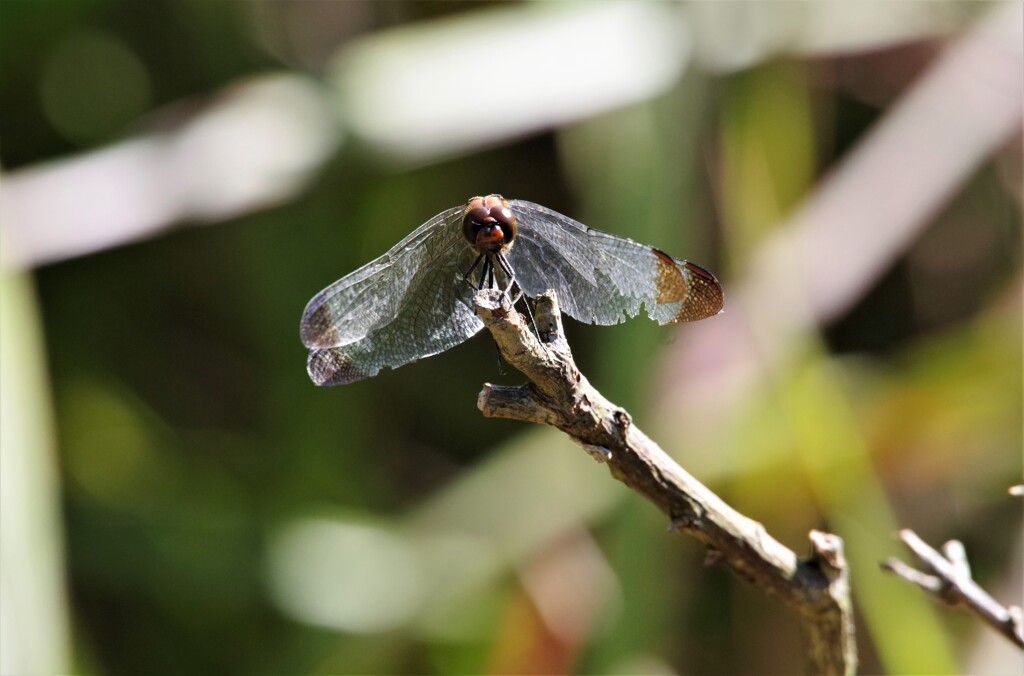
(949, 580)
(557, 394)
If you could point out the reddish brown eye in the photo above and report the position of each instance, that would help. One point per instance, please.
(476, 215)
(489, 227)
(501, 214)
(506, 219)
(472, 222)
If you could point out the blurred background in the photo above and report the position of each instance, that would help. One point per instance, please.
(180, 177)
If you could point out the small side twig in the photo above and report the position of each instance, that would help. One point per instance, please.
(816, 588)
(949, 580)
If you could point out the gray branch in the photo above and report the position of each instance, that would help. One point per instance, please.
(816, 588)
(949, 580)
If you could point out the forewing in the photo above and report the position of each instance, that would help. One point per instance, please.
(410, 303)
(601, 278)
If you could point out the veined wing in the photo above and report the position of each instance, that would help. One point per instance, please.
(408, 304)
(601, 278)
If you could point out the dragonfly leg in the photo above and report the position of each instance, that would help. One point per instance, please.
(510, 274)
(468, 276)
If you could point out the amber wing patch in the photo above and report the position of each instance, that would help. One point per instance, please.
(669, 283)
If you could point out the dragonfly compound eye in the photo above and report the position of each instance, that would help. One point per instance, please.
(507, 220)
(489, 230)
(472, 222)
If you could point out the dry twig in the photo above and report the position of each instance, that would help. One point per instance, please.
(950, 582)
(816, 588)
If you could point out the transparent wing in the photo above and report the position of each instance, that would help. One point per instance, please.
(410, 303)
(603, 279)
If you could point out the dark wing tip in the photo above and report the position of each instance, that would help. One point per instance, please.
(317, 330)
(705, 296)
(697, 291)
(333, 367)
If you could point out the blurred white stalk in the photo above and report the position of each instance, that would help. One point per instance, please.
(253, 147)
(355, 575)
(442, 88)
(414, 94)
(33, 603)
(731, 36)
(859, 219)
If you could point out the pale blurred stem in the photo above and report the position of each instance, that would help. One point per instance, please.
(816, 588)
(949, 580)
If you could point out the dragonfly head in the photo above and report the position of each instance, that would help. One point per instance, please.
(488, 224)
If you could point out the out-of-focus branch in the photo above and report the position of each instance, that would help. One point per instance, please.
(859, 219)
(252, 145)
(950, 582)
(816, 588)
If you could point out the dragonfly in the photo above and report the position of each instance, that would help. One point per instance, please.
(416, 300)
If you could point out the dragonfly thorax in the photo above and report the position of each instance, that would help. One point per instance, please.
(488, 224)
